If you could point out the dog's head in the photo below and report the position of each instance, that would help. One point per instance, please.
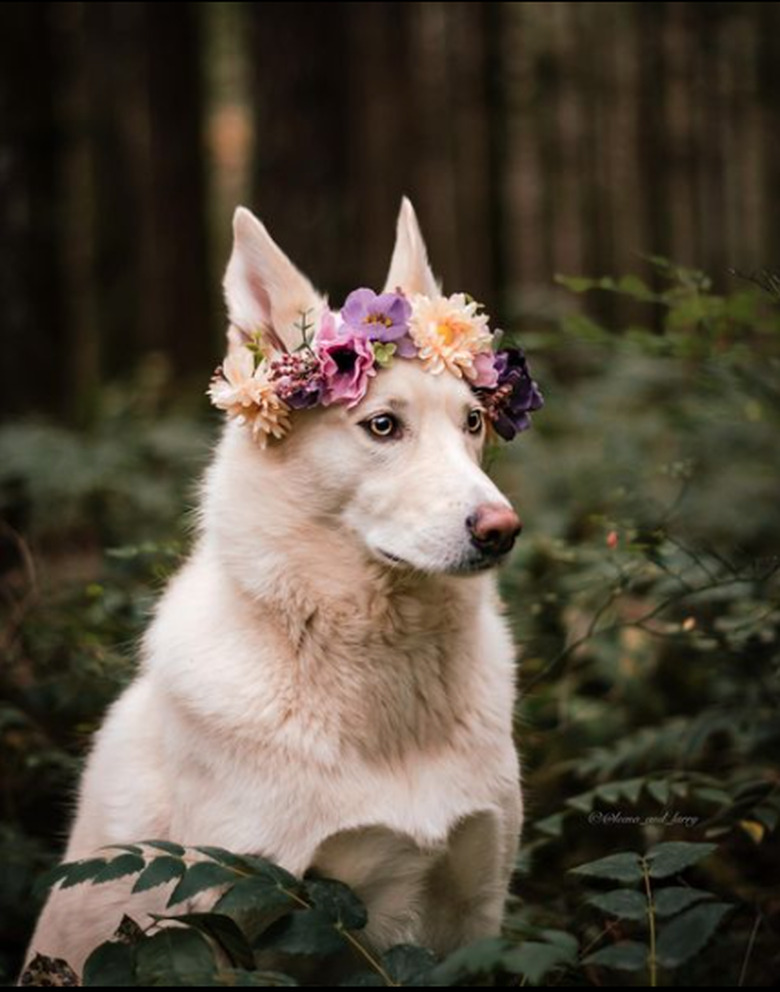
(396, 476)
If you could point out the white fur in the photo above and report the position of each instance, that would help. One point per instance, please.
(299, 694)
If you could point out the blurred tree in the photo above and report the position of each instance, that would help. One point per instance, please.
(31, 289)
(175, 257)
(103, 198)
(533, 138)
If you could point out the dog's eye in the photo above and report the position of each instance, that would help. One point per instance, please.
(474, 422)
(383, 425)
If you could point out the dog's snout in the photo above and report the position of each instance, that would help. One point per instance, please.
(493, 528)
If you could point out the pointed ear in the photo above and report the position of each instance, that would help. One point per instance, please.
(263, 289)
(409, 267)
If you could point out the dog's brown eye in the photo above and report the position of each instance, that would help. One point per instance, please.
(474, 422)
(383, 426)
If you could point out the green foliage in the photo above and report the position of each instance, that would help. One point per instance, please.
(646, 601)
(680, 939)
(276, 918)
(644, 594)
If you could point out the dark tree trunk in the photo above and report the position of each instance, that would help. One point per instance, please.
(33, 349)
(180, 315)
(305, 149)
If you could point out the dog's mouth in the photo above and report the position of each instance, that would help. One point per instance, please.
(393, 559)
(466, 566)
(481, 564)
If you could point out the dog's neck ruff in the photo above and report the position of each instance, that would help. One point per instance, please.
(261, 384)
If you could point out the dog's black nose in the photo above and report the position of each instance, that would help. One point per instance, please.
(493, 528)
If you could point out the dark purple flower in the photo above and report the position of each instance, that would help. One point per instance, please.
(510, 403)
(380, 318)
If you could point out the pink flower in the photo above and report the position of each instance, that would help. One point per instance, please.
(484, 372)
(347, 362)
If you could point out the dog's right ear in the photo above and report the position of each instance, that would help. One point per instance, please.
(264, 291)
(409, 267)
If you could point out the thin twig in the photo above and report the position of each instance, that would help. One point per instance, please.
(749, 950)
(623, 624)
(651, 924)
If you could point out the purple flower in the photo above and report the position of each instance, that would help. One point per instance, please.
(380, 318)
(510, 403)
(346, 362)
(405, 347)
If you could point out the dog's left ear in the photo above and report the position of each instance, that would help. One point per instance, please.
(409, 267)
(263, 289)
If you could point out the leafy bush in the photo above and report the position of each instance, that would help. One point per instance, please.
(644, 595)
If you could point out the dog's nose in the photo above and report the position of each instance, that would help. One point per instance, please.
(493, 528)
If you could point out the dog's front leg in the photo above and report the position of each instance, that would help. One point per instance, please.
(466, 890)
(512, 807)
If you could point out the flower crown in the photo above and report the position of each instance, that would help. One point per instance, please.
(260, 387)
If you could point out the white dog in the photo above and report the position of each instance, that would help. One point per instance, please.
(328, 680)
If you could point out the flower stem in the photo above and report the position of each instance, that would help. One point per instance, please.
(651, 922)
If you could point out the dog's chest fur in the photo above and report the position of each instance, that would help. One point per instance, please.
(279, 729)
